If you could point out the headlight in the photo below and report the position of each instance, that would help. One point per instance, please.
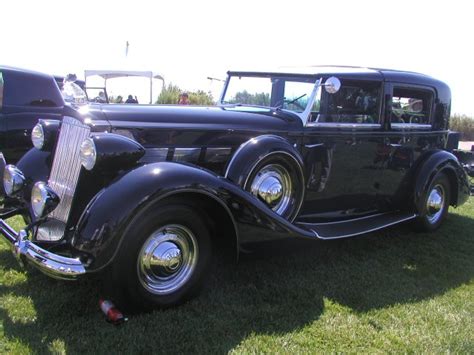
(43, 199)
(37, 136)
(44, 134)
(88, 153)
(13, 180)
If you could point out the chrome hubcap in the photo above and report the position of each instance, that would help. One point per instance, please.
(273, 185)
(167, 259)
(435, 204)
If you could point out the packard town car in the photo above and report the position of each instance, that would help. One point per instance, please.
(142, 194)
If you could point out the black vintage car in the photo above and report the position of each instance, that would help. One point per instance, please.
(141, 194)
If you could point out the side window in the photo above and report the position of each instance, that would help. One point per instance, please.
(357, 102)
(1, 90)
(411, 106)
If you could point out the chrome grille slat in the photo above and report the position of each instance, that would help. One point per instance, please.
(67, 165)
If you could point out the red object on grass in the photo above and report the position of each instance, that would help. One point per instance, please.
(113, 315)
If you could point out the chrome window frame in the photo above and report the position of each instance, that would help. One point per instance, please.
(2, 86)
(430, 113)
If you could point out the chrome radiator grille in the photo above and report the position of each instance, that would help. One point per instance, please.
(67, 165)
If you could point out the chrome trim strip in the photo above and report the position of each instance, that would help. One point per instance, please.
(313, 145)
(67, 165)
(410, 126)
(54, 265)
(366, 231)
(344, 125)
(193, 154)
(346, 220)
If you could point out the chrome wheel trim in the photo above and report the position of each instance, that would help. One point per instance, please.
(435, 204)
(167, 259)
(273, 185)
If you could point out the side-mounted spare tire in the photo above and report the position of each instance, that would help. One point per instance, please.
(270, 168)
(278, 181)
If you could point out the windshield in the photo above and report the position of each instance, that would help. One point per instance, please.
(73, 93)
(269, 91)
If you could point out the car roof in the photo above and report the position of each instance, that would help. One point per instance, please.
(6, 68)
(351, 72)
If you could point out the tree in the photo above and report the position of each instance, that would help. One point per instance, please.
(170, 95)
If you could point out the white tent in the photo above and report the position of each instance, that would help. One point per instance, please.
(112, 74)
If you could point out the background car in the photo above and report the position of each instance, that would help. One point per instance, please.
(25, 97)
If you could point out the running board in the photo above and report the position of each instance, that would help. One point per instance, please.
(356, 226)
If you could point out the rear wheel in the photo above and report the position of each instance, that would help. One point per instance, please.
(435, 204)
(163, 260)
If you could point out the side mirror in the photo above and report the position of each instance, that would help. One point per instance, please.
(332, 85)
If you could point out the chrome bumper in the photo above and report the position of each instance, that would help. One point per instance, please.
(53, 265)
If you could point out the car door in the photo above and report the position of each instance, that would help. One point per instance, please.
(340, 147)
(411, 133)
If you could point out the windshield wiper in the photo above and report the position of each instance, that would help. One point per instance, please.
(279, 105)
(294, 100)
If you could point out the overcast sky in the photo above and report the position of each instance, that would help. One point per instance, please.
(187, 41)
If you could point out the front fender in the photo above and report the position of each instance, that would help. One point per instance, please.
(441, 161)
(35, 165)
(101, 227)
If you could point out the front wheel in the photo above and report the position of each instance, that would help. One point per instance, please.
(435, 204)
(163, 259)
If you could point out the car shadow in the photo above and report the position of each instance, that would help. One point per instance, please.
(278, 288)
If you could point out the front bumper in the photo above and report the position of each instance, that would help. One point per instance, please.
(54, 265)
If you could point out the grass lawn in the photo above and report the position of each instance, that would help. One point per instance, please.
(394, 291)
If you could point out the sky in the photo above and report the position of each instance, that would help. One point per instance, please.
(188, 41)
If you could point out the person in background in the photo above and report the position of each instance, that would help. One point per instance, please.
(101, 98)
(184, 99)
(131, 100)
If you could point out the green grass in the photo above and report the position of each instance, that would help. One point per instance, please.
(394, 290)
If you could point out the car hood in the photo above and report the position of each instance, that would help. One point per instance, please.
(191, 117)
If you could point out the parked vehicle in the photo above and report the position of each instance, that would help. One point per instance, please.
(141, 194)
(27, 96)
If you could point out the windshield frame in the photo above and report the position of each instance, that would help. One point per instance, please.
(302, 115)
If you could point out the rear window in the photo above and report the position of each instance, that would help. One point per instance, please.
(1, 89)
(411, 106)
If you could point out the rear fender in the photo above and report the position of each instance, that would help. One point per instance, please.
(446, 162)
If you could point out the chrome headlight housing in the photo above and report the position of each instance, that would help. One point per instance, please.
(88, 153)
(44, 134)
(43, 199)
(37, 136)
(13, 180)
